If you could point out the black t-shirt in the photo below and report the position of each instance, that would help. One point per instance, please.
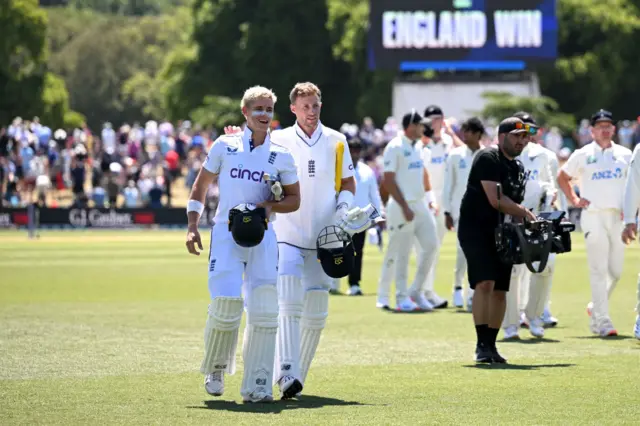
(476, 213)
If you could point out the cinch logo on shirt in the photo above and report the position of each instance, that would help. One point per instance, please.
(607, 174)
(415, 165)
(240, 173)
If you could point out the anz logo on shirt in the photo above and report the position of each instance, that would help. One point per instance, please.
(439, 160)
(534, 174)
(463, 164)
(416, 165)
(607, 174)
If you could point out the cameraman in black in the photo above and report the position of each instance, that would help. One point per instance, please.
(488, 275)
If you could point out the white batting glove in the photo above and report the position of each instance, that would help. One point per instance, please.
(276, 190)
(340, 217)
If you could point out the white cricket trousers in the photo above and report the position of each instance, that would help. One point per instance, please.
(441, 228)
(605, 254)
(401, 237)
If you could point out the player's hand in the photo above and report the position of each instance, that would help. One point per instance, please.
(447, 127)
(230, 130)
(408, 213)
(267, 206)
(434, 207)
(581, 203)
(530, 216)
(193, 240)
(629, 233)
(448, 222)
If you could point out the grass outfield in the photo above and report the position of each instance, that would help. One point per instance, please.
(106, 328)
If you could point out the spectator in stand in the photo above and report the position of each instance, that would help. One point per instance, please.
(131, 195)
(584, 133)
(367, 131)
(625, 134)
(390, 129)
(155, 194)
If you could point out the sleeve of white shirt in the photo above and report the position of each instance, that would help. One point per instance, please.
(574, 165)
(347, 163)
(631, 201)
(374, 193)
(213, 162)
(449, 184)
(391, 160)
(288, 173)
(555, 167)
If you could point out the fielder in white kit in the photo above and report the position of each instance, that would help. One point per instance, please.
(457, 168)
(528, 293)
(323, 163)
(438, 145)
(601, 168)
(247, 166)
(630, 214)
(408, 217)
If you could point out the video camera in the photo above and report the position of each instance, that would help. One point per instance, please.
(530, 242)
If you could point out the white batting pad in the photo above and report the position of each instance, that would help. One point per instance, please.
(540, 289)
(314, 318)
(221, 335)
(291, 303)
(260, 342)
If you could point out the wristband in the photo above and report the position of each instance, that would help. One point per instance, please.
(195, 206)
(430, 197)
(345, 197)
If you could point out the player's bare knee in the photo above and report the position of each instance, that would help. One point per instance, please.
(485, 287)
(499, 295)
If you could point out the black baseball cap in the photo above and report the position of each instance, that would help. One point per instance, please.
(411, 118)
(433, 111)
(525, 117)
(512, 125)
(601, 115)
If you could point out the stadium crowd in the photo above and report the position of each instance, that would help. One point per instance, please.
(136, 166)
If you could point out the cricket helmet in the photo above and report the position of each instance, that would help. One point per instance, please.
(335, 251)
(247, 224)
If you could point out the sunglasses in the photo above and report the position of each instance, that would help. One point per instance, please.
(530, 128)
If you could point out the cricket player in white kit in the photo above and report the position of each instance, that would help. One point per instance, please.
(601, 167)
(630, 214)
(327, 184)
(408, 217)
(528, 293)
(457, 168)
(438, 146)
(246, 165)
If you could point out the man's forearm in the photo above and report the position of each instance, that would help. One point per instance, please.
(394, 192)
(508, 206)
(565, 186)
(288, 204)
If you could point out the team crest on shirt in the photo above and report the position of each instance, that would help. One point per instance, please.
(592, 159)
(407, 153)
(463, 164)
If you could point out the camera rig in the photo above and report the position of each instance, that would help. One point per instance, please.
(533, 241)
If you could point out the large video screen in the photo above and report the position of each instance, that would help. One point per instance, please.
(415, 35)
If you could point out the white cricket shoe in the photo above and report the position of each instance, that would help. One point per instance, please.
(257, 397)
(214, 383)
(636, 329)
(289, 387)
(524, 321)
(458, 298)
(354, 290)
(536, 328)
(407, 305)
(548, 319)
(382, 303)
(470, 304)
(420, 301)
(606, 328)
(436, 301)
(511, 333)
(589, 308)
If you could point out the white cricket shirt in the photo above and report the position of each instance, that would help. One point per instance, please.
(315, 158)
(405, 158)
(632, 189)
(541, 182)
(457, 168)
(242, 170)
(366, 187)
(601, 174)
(436, 165)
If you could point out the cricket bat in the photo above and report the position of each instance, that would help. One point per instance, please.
(339, 157)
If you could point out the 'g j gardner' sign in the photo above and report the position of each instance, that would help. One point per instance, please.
(412, 35)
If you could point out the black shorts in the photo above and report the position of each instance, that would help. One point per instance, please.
(482, 261)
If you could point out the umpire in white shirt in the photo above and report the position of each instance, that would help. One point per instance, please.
(366, 193)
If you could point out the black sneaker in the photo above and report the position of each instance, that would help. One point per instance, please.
(497, 358)
(483, 354)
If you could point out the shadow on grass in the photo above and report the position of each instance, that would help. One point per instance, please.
(416, 312)
(594, 337)
(517, 366)
(305, 401)
(532, 341)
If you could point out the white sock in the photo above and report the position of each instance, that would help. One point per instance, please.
(260, 342)
(221, 335)
(316, 309)
(291, 303)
